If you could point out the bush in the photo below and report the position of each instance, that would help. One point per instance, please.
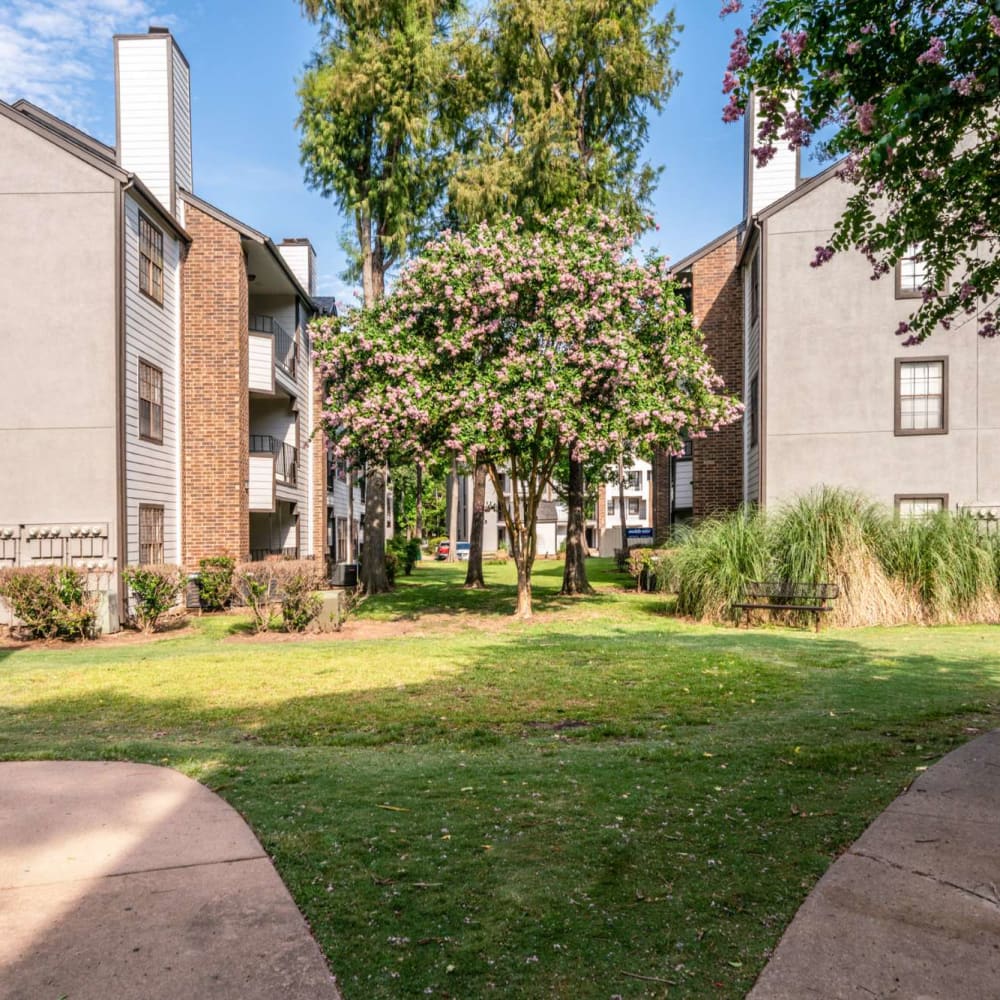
(50, 601)
(407, 553)
(650, 567)
(262, 586)
(391, 565)
(153, 591)
(300, 604)
(215, 582)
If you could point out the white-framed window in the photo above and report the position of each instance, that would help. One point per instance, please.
(633, 504)
(633, 479)
(150, 403)
(920, 504)
(612, 505)
(921, 396)
(911, 274)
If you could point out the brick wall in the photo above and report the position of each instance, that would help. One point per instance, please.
(215, 392)
(717, 306)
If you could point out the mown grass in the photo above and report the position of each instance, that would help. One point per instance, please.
(554, 809)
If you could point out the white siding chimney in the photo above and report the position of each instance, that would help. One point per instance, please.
(153, 92)
(301, 259)
(765, 185)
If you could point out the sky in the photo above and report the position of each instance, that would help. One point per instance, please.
(245, 60)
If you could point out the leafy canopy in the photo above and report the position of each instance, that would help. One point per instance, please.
(912, 88)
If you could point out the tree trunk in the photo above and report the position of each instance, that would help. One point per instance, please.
(474, 574)
(453, 513)
(575, 571)
(523, 610)
(373, 577)
(349, 553)
(419, 516)
(621, 507)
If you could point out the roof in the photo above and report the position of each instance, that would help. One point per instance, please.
(92, 151)
(326, 305)
(248, 233)
(546, 512)
(693, 258)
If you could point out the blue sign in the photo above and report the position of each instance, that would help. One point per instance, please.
(639, 533)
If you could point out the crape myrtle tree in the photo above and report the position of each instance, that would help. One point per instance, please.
(378, 106)
(514, 346)
(568, 88)
(911, 89)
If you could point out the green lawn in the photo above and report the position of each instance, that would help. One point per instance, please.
(605, 801)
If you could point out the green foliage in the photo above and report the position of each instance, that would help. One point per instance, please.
(565, 90)
(407, 553)
(153, 591)
(911, 90)
(50, 602)
(300, 604)
(215, 582)
(712, 562)
(391, 565)
(943, 567)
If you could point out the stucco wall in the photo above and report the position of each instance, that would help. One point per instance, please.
(58, 396)
(830, 382)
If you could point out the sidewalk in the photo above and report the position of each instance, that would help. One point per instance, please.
(912, 910)
(127, 881)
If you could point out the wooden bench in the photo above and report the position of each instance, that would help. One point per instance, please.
(774, 596)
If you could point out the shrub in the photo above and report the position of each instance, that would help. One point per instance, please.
(391, 565)
(153, 591)
(50, 601)
(650, 567)
(300, 604)
(407, 553)
(262, 586)
(215, 582)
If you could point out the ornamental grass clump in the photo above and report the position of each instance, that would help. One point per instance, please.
(712, 563)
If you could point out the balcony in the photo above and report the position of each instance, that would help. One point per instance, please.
(272, 462)
(272, 349)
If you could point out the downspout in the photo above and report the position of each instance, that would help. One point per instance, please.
(122, 475)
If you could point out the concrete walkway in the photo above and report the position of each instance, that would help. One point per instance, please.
(128, 882)
(912, 910)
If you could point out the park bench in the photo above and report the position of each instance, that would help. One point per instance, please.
(810, 598)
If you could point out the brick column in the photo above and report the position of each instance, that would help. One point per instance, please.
(717, 306)
(215, 391)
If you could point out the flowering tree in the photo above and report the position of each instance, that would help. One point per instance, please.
(912, 88)
(512, 347)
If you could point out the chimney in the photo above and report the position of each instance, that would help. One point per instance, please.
(765, 185)
(153, 101)
(300, 256)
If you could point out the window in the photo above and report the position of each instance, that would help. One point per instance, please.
(920, 504)
(150, 403)
(340, 552)
(922, 396)
(150, 260)
(753, 411)
(754, 289)
(150, 535)
(633, 506)
(911, 274)
(633, 479)
(612, 502)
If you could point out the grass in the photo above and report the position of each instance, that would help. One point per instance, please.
(544, 810)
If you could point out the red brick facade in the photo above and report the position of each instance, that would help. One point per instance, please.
(215, 403)
(717, 306)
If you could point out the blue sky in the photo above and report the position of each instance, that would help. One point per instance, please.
(245, 59)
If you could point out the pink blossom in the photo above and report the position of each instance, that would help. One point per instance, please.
(934, 55)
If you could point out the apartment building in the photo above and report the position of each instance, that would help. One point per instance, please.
(161, 406)
(831, 395)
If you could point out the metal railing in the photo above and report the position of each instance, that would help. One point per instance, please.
(285, 351)
(259, 555)
(286, 456)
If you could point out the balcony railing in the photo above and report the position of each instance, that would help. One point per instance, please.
(284, 343)
(259, 555)
(286, 456)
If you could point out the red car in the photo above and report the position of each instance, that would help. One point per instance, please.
(441, 552)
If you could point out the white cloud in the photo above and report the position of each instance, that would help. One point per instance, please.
(54, 52)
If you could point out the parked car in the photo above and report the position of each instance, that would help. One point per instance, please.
(442, 550)
(462, 551)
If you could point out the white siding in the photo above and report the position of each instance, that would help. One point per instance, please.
(144, 110)
(261, 363)
(151, 334)
(300, 258)
(183, 170)
(261, 482)
(780, 176)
